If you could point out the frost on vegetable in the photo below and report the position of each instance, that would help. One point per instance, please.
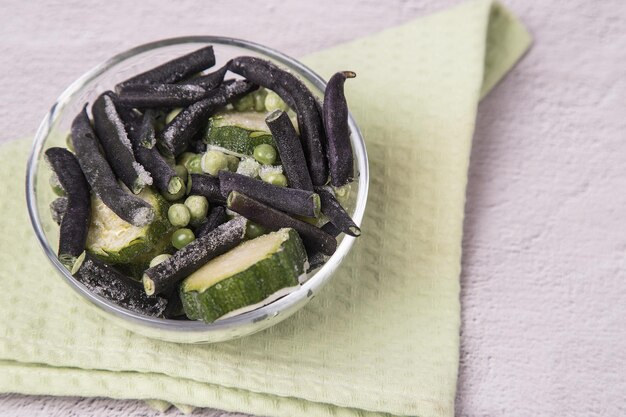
(116, 144)
(107, 282)
(266, 170)
(249, 167)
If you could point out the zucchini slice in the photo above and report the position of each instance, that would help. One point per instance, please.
(238, 132)
(245, 276)
(115, 241)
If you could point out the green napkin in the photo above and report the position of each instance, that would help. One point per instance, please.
(383, 337)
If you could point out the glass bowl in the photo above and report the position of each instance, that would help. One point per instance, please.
(55, 128)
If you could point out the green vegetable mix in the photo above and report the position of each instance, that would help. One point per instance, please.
(208, 191)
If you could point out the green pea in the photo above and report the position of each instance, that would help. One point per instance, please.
(194, 165)
(274, 102)
(265, 154)
(254, 230)
(259, 99)
(233, 163)
(178, 214)
(213, 162)
(171, 115)
(198, 207)
(182, 237)
(159, 258)
(56, 186)
(276, 179)
(244, 103)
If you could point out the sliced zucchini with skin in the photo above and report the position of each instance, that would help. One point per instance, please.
(238, 132)
(115, 241)
(249, 120)
(245, 277)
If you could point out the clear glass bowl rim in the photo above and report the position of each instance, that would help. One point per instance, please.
(309, 287)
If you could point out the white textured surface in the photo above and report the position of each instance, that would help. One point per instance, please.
(544, 277)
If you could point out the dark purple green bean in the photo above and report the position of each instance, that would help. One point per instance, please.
(132, 119)
(206, 185)
(215, 218)
(141, 136)
(208, 81)
(291, 89)
(290, 150)
(75, 220)
(163, 276)
(116, 145)
(331, 229)
(100, 176)
(338, 148)
(289, 200)
(176, 69)
(107, 282)
(174, 309)
(161, 95)
(177, 135)
(317, 259)
(181, 94)
(314, 239)
(336, 213)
